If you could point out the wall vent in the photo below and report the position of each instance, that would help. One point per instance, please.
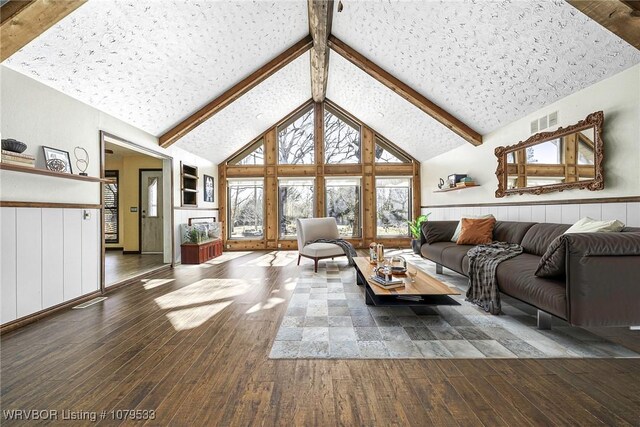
(544, 122)
(534, 126)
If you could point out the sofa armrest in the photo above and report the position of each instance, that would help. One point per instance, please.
(603, 286)
(437, 231)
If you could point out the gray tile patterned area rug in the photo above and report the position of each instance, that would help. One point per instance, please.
(327, 318)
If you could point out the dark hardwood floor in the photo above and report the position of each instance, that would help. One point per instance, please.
(119, 267)
(192, 345)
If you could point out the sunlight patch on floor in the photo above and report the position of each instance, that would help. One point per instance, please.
(227, 256)
(189, 318)
(154, 283)
(203, 291)
(274, 259)
(271, 303)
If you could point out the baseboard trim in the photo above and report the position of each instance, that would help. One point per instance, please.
(130, 252)
(32, 318)
(113, 248)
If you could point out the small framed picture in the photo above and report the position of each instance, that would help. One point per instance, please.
(57, 160)
(208, 188)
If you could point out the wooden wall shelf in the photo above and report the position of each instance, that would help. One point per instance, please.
(456, 188)
(38, 171)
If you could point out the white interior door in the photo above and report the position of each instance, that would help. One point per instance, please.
(151, 212)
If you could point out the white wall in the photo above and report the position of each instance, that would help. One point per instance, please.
(52, 255)
(618, 97)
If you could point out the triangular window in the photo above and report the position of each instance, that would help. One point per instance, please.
(386, 154)
(253, 155)
(341, 138)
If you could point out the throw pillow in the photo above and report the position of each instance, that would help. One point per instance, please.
(589, 225)
(476, 231)
(456, 233)
(552, 263)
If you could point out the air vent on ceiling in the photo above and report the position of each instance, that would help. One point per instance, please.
(544, 122)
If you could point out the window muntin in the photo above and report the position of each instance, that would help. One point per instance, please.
(295, 140)
(393, 206)
(341, 139)
(245, 208)
(385, 154)
(296, 200)
(342, 202)
(253, 156)
(111, 208)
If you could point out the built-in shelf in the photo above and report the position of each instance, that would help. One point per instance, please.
(46, 172)
(444, 190)
(189, 185)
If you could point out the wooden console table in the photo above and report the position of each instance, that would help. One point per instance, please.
(197, 253)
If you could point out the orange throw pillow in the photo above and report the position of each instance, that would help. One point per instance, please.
(476, 231)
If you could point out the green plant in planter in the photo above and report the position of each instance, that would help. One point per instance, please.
(193, 235)
(416, 226)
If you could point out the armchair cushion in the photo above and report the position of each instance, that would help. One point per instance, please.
(321, 250)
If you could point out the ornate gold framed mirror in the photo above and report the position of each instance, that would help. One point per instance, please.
(564, 159)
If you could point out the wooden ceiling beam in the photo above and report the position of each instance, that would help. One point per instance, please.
(621, 17)
(244, 86)
(405, 91)
(320, 18)
(24, 20)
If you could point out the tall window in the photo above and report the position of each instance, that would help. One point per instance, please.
(393, 206)
(342, 202)
(385, 154)
(245, 208)
(111, 223)
(341, 138)
(152, 197)
(254, 155)
(295, 140)
(296, 201)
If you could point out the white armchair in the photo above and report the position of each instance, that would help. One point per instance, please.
(310, 229)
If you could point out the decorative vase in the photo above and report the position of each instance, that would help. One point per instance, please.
(415, 245)
(13, 145)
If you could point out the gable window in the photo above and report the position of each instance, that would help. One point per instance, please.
(393, 206)
(245, 208)
(342, 202)
(296, 201)
(295, 140)
(254, 155)
(341, 138)
(111, 223)
(384, 153)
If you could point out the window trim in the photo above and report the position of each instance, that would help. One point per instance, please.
(386, 145)
(409, 206)
(294, 178)
(228, 209)
(114, 174)
(248, 150)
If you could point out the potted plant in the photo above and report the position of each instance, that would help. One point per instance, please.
(416, 228)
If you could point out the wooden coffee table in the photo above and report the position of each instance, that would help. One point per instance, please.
(426, 290)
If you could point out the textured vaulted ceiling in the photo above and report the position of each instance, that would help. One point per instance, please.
(486, 62)
(151, 63)
(401, 122)
(252, 114)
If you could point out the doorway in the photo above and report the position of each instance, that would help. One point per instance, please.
(137, 211)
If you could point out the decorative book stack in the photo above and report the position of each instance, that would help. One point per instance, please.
(18, 159)
(387, 284)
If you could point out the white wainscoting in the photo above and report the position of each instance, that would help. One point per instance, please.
(49, 256)
(181, 216)
(628, 213)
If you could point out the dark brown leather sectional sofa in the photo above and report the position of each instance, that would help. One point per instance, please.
(601, 284)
